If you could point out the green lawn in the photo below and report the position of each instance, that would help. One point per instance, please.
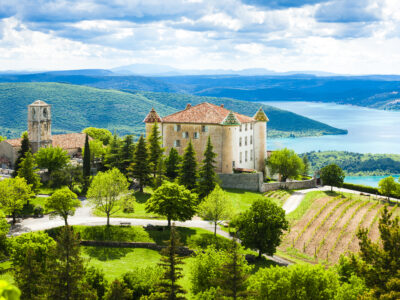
(241, 200)
(28, 208)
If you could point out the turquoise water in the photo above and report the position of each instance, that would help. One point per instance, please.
(366, 180)
(370, 130)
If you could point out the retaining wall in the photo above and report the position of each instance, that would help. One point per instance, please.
(245, 181)
(291, 185)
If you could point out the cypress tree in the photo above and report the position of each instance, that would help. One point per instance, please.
(140, 168)
(172, 164)
(127, 153)
(169, 288)
(27, 170)
(86, 159)
(155, 150)
(207, 176)
(188, 171)
(25, 147)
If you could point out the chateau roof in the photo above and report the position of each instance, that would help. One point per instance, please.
(205, 113)
(39, 103)
(152, 117)
(261, 116)
(65, 141)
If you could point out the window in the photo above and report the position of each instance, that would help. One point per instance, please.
(251, 155)
(245, 126)
(251, 126)
(240, 157)
(245, 156)
(177, 143)
(204, 128)
(196, 135)
(233, 164)
(177, 127)
(251, 140)
(245, 141)
(240, 128)
(240, 142)
(185, 135)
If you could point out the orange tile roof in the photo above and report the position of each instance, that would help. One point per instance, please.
(204, 113)
(65, 141)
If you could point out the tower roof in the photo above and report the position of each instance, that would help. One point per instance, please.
(261, 116)
(152, 117)
(230, 119)
(39, 103)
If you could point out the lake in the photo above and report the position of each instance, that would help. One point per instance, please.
(370, 130)
(366, 180)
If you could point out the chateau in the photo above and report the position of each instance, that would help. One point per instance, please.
(239, 141)
(39, 133)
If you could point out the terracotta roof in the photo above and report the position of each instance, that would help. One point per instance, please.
(204, 113)
(152, 117)
(65, 141)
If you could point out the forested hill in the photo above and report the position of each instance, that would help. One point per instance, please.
(76, 107)
(356, 163)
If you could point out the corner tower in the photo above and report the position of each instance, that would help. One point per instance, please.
(152, 118)
(39, 125)
(228, 147)
(260, 139)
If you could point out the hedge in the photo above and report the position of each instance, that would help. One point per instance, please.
(365, 189)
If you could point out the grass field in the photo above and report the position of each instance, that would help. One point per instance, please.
(324, 226)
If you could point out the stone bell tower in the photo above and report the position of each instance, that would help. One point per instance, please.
(39, 125)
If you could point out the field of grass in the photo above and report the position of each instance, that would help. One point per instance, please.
(324, 226)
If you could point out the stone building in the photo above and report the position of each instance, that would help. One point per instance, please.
(238, 140)
(39, 133)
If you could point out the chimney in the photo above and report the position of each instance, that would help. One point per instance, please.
(188, 106)
(222, 105)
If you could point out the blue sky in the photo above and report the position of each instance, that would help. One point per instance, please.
(341, 36)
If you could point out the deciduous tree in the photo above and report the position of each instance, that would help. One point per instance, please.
(188, 170)
(63, 203)
(28, 169)
(106, 190)
(52, 158)
(388, 186)
(286, 163)
(207, 175)
(100, 134)
(332, 175)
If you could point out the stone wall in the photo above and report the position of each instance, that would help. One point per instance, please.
(245, 181)
(291, 185)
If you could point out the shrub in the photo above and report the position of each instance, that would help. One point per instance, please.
(142, 281)
(204, 240)
(38, 211)
(365, 189)
(128, 204)
(96, 279)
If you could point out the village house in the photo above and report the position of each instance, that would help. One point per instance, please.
(39, 133)
(239, 141)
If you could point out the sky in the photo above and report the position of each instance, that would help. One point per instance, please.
(339, 36)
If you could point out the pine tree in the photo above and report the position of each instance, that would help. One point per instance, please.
(86, 159)
(169, 288)
(160, 177)
(207, 176)
(27, 170)
(188, 169)
(235, 273)
(25, 147)
(172, 164)
(112, 157)
(140, 168)
(67, 277)
(127, 152)
(155, 150)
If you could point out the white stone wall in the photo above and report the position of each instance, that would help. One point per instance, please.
(260, 145)
(240, 149)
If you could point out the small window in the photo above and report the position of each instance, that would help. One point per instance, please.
(251, 126)
(196, 135)
(233, 164)
(251, 155)
(245, 156)
(177, 143)
(245, 141)
(245, 126)
(185, 135)
(240, 142)
(240, 157)
(204, 128)
(240, 128)
(251, 140)
(177, 127)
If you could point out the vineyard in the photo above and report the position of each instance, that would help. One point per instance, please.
(328, 228)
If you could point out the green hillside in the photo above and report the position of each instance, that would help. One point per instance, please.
(75, 107)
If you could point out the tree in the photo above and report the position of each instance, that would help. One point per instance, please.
(235, 273)
(207, 176)
(286, 163)
(67, 276)
(140, 168)
(142, 281)
(27, 170)
(99, 134)
(9, 291)
(168, 288)
(30, 256)
(4, 229)
(155, 149)
(332, 175)
(172, 164)
(379, 263)
(388, 186)
(127, 152)
(96, 279)
(63, 203)
(14, 193)
(215, 207)
(106, 190)
(188, 170)
(261, 226)
(112, 157)
(97, 151)
(172, 201)
(52, 158)
(160, 177)
(306, 165)
(86, 158)
(25, 147)
(118, 291)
